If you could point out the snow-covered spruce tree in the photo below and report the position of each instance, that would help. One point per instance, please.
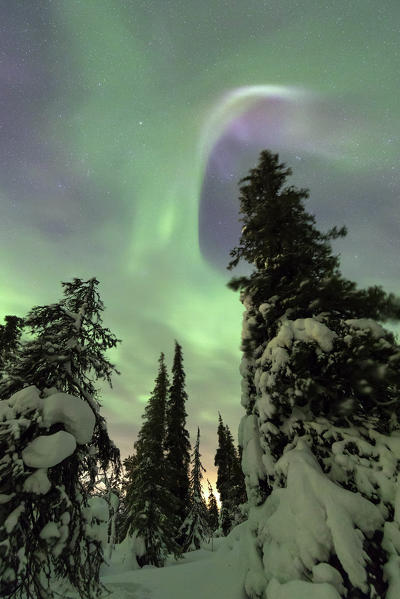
(320, 438)
(195, 528)
(177, 444)
(230, 480)
(149, 503)
(52, 440)
(212, 509)
(10, 334)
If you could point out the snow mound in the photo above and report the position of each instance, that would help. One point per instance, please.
(312, 518)
(300, 590)
(47, 451)
(74, 413)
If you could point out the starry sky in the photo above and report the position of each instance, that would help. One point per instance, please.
(125, 126)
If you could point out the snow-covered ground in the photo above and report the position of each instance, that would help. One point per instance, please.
(202, 574)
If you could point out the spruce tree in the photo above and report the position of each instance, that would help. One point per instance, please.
(148, 500)
(195, 528)
(320, 388)
(177, 445)
(212, 508)
(230, 481)
(10, 334)
(50, 388)
(127, 484)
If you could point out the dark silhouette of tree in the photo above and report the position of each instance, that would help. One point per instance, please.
(195, 528)
(177, 445)
(149, 502)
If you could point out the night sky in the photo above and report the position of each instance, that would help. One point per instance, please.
(124, 128)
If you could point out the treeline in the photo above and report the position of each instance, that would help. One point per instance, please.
(163, 508)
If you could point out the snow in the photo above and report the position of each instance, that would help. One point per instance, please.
(74, 413)
(252, 457)
(27, 399)
(367, 324)
(12, 520)
(50, 531)
(23, 401)
(99, 508)
(37, 482)
(303, 329)
(300, 589)
(200, 574)
(47, 451)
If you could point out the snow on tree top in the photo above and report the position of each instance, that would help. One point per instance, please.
(72, 412)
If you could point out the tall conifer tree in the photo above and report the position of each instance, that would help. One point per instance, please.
(195, 528)
(230, 480)
(212, 508)
(64, 359)
(148, 501)
(10, 334)
(177, 445)
(321, 384)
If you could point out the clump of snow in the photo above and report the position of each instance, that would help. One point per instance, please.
(300, 589)
(37, 482)
(303, 329)
(50, 531)
(74, 413)
(98, 508)
(12, 519)
(367, 324)
(326, 573)
(4, 498)
(47, 451)
(252, 456)
(301, 525)
(25, 400)
(96, 515)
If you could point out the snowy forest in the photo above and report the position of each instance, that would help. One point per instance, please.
(308, 502)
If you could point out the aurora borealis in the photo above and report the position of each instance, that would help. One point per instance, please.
(124, 128)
